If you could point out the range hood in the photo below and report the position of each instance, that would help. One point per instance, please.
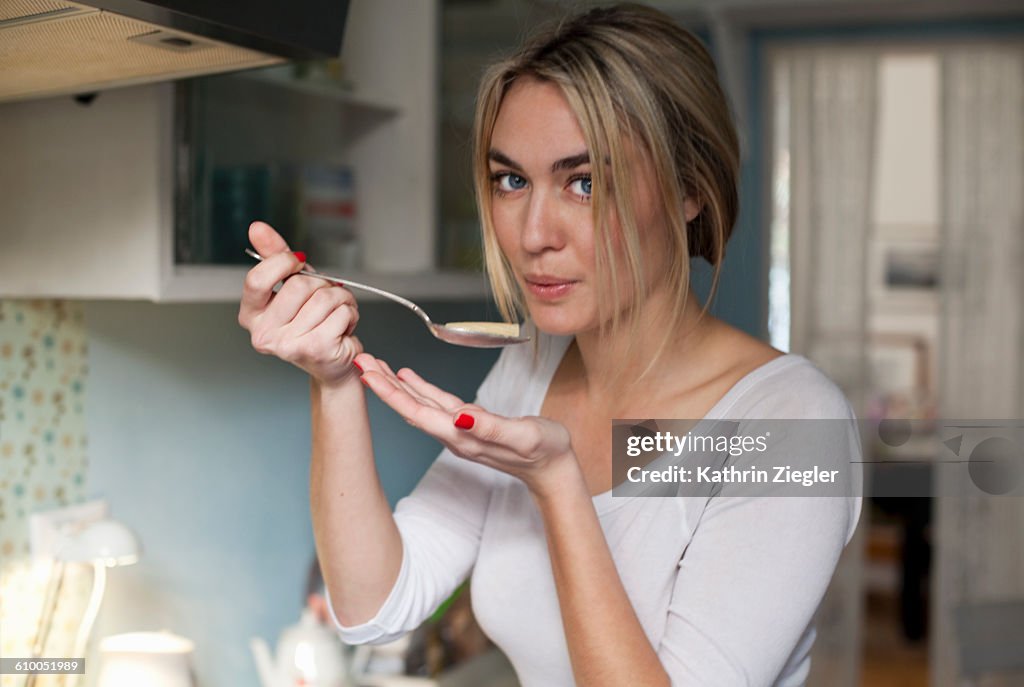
(53, 47)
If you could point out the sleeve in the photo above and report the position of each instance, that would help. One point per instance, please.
(748, 586)
(753, 575)
(440, 523)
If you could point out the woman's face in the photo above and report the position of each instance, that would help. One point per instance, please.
(541, 209)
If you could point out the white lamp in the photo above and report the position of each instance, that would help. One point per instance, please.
(109, 542)
(104, 543)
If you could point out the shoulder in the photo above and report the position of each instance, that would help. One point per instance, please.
(790, 386)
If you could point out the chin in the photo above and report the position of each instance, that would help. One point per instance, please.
(556, 321)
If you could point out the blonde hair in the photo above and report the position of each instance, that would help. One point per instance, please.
(630, 75)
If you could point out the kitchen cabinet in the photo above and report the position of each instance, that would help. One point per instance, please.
(99, 197)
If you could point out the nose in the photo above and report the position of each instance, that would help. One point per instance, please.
(544, 229)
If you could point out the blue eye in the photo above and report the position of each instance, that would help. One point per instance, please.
(508, 182)
(582, 186)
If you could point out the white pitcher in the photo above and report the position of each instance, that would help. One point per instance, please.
(307, 654)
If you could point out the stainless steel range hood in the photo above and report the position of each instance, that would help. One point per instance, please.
(53, 47)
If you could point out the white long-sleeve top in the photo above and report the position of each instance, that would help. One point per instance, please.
(724, 587)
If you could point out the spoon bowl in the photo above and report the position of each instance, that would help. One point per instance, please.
(459, 334)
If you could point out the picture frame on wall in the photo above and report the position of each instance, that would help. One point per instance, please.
(903, 380)
(905, 274)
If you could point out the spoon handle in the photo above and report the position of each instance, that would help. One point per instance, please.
(356, 285)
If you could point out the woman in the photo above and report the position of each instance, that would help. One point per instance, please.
(605, 158)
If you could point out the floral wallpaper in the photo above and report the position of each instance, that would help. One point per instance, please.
(43, 465)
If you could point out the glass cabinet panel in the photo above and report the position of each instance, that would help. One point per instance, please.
(270, 144)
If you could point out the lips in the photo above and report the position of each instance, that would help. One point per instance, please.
(548, 287)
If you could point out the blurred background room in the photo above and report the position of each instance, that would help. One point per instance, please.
(881, 235)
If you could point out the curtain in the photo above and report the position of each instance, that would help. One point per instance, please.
(979, 552)
(830, 126)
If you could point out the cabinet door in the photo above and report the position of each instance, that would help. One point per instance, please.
(85, 194)
(274, 145)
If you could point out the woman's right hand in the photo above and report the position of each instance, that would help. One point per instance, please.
(308, 322)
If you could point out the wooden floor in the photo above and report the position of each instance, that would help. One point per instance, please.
(889, 660)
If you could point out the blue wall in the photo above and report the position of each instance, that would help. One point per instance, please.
(202, 446)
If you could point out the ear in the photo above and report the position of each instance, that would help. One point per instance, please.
(690, 209)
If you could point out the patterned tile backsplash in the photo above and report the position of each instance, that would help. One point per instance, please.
(43, 464)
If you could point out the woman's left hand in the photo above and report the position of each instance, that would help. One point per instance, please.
(534, 449)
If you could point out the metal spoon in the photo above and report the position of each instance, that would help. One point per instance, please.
(460, 334)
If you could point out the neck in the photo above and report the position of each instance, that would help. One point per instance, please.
(625, 355)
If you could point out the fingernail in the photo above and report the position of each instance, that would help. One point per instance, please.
(300, 255)
(363, 380)
(358, 367)
(464, 421)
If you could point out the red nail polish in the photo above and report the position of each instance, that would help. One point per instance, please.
(358, 367)
(300, 255)
(363, 380)
(464, 421)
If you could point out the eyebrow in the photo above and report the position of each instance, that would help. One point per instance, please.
(565, 163)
